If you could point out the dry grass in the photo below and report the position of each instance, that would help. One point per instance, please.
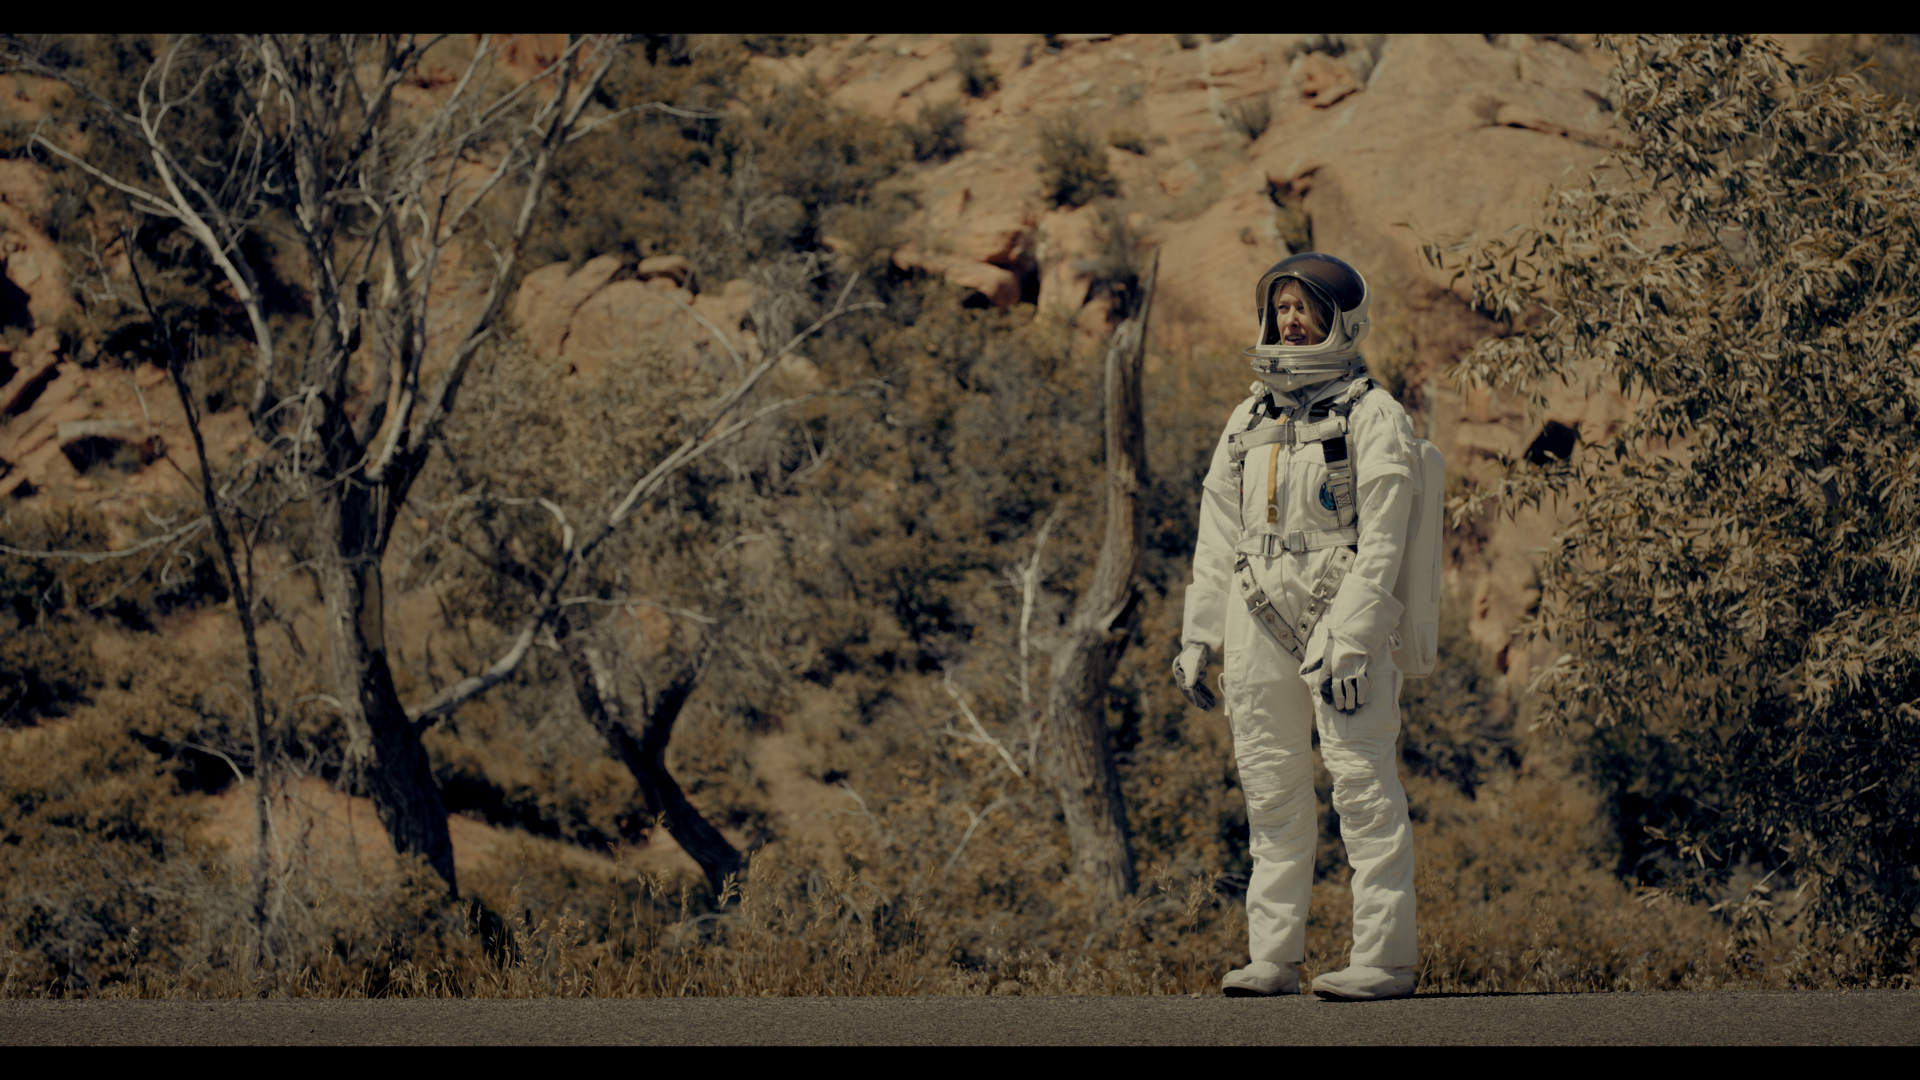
(113, 881)
(1500, 911)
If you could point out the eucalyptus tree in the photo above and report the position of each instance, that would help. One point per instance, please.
(1735, 577)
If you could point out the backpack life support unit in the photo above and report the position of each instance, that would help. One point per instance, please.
(1416, 640)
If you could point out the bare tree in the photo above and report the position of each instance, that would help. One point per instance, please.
(1103, 622)
(644, 410)
(371, 191)
(639, 737)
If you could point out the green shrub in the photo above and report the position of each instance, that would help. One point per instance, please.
(1732, 585)
(1890, 63)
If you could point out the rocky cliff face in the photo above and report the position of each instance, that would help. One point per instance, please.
(1226, 155)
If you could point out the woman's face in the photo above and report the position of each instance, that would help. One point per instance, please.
(1294, 320)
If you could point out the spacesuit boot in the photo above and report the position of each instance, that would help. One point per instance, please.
(1358, 983)
(1262, 978)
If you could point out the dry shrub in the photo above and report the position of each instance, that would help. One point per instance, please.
(1501, 910)
(977, 77)
(1074, 170)
(1251, 116)
(1503, 907)
(97, 855)
(939, 133)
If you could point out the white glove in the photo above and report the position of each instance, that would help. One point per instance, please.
(1347, 664)
(1190, 675)
(1356, 625)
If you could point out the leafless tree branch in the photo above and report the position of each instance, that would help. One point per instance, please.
(698, 444)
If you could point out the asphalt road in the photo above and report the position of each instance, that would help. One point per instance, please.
(1889, 1017)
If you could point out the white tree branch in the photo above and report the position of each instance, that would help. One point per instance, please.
(691, 114)
(156, 205)
(979, 729)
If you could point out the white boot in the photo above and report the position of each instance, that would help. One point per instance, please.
(1365, 984)
(1262, 978)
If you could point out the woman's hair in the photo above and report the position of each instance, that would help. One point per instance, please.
(1317, 307)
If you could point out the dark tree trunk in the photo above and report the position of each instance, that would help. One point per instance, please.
(644, 751)
(1104, 619)
(387, 750)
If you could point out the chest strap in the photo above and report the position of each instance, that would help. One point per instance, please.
(1330, 431)
(1293, 633)
(1289, 435)
(1340, 479)
(1272, 544)
(1260, 606)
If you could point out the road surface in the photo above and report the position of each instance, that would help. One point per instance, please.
(1886, 1017)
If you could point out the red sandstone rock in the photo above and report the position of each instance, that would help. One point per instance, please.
(996, 284)
(1068, 237)
(676, 268)
(1325, 81)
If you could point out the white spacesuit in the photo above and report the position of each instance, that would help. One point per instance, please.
(1303, 525)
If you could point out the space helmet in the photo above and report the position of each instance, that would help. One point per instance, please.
(1342, 293)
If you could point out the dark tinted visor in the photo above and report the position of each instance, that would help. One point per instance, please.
(1337, 282)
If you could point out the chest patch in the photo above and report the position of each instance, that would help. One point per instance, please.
(1326, 496)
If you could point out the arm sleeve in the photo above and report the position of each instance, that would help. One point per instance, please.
(1383, 474)
(1209, 591)
(1386, 502)
(1364, 611)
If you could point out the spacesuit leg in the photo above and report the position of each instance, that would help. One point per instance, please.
(1358, 751)
(1272, 718)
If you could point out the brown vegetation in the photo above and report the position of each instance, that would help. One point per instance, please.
(784, 732)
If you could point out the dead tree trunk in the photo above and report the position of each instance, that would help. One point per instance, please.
(644, 751)
(349, 537)
(242, 589)
(1104, 619)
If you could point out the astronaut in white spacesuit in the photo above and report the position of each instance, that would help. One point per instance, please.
(1303, 525)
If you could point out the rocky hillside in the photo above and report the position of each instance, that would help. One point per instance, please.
(1224, 154)
(1243, 150)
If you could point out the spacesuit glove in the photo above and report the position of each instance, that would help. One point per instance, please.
(1347, 685)
(1339, 674)
(1190, 675)
(1356, 625)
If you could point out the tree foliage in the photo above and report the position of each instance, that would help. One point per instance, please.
(1733, 584)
